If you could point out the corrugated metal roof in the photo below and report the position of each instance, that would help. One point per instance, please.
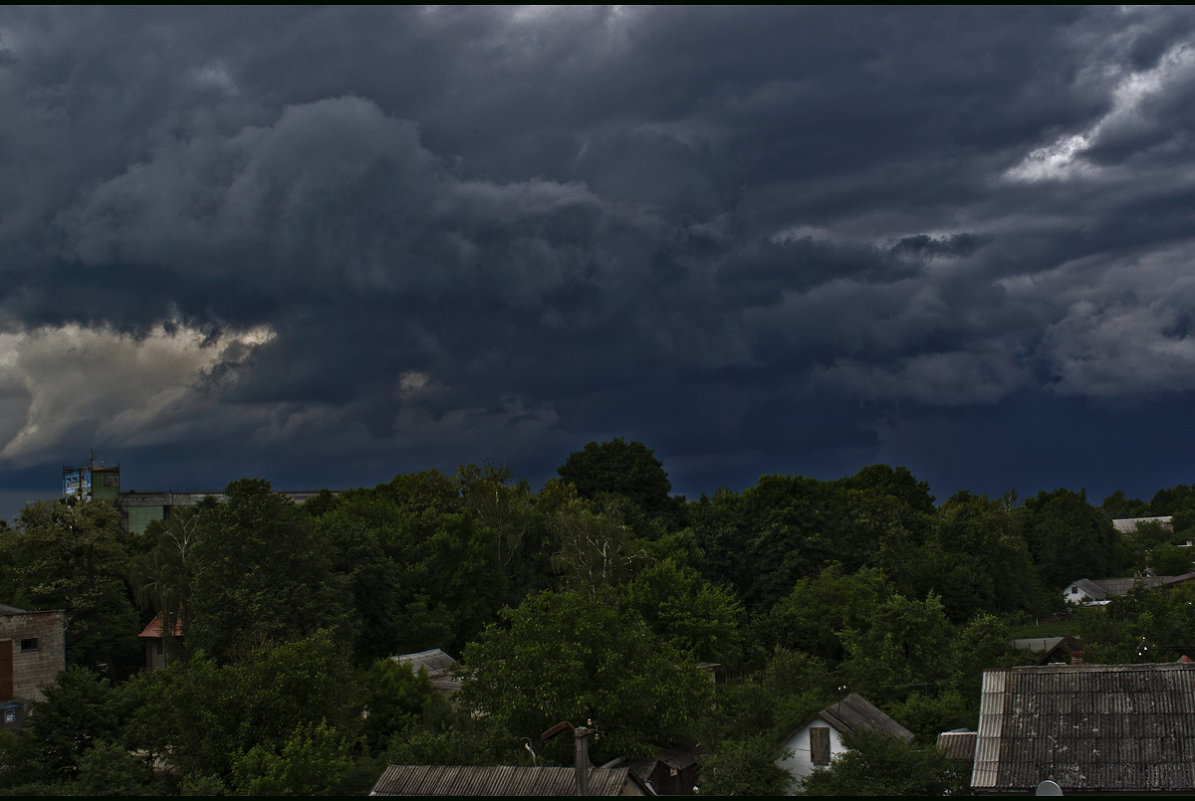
(435, 661)
(437, 780)
(1127, 525)
(855, 712)
(1090, 727)
(958, 744)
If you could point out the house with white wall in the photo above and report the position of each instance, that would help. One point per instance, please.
(815, 744)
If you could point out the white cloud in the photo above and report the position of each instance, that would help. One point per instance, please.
(1063, 160)
(107, 386)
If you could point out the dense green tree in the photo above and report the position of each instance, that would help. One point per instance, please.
(777, 699)
(1067, 537)
(812, 617)
(107, 768)
(314, 760)
(1170, 560)
(399, 702)
(618, 467)
(897, 483)
(878, 764)
(899, 650)
(1117, 506)
(786, 528)
(745, 767)
(72, 555)
(261, 573)
(204, 717)
(1145, 625)
(162, 574)
(927, 715)
(570, 656)
(977, 560)
(686, 611)
(79, 709)
(983, 642)
(596, 550)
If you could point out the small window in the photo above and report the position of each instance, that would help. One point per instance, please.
(10, 716)
(29, 645)
(819, 744)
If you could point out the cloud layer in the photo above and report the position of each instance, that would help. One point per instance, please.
(758, 239)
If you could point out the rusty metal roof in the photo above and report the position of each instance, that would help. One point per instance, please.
(153, 629)
(856, 712)
(1126, 728)
(408, 780)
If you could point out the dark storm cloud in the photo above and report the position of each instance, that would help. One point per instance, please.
(766, 238)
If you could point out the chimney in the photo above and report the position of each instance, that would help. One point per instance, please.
(581, 746)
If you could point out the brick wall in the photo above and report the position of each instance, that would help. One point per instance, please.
(36, 643)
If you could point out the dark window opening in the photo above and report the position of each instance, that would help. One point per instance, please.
(29, 644)
(819, 744)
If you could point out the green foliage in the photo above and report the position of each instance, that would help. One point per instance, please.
(1116, 505)
(314, 760)
(1170, 560)
(617, 467)
(899, 651)
(776, 700)
(928, 715)
(897, 483)
(567, 656)
(426, 557)
(72, 555)
(1146, 625)
(1067, 537)
(596, 550)
(812, 616)
(261, 573)
(787, 528)
(977, 560)
(878, 764)
(206, 716)
(687, 612)
(982, 643)
(745, 767)
(107, 768)
(400, 702)
(79, 709)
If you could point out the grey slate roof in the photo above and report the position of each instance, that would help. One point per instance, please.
(856, 712)
(409, 780)
(1111, 728)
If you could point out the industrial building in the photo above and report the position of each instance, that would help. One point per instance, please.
(139, 509)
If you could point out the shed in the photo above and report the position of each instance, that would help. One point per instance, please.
(1089, 728)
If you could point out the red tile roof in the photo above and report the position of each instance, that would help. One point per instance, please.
(154, 629)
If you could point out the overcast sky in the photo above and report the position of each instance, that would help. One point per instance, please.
(326, 246)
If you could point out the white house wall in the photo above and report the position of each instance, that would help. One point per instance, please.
(800, 764)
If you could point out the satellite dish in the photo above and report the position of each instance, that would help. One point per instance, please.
(1048, 788)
